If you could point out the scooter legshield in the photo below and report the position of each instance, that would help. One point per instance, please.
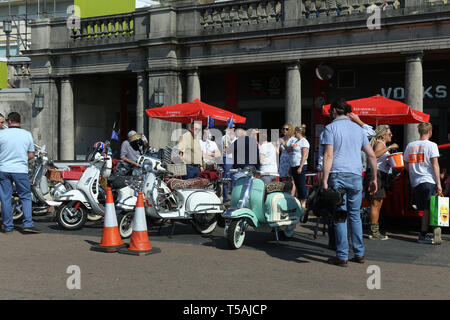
(240, 214)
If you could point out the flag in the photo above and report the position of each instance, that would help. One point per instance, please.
(230, 123)
(210, 122)
(114, 135)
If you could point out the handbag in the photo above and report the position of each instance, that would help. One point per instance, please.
(439, 211)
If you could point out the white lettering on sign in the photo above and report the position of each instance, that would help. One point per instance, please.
(430, 92)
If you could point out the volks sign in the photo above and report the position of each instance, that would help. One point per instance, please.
(430, 92)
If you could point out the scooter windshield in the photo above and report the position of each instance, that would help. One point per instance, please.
(244, 199)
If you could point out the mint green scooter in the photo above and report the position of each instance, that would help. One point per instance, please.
(263, 207)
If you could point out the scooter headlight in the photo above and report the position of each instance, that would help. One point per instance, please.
(147, 165)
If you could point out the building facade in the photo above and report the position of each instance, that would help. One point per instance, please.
(254, 57)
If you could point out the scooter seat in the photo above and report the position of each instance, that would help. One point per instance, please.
(278, 187)
(195, 183)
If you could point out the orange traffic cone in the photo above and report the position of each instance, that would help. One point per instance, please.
(139, 243)
(111, 240)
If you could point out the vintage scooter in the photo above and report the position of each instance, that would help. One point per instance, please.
(200, 206)
(75, 205)
(263, 207)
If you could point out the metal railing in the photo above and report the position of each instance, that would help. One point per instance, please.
(113, 26)
(241, 13)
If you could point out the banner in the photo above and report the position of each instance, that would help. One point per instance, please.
(3, 74)
(97, 8)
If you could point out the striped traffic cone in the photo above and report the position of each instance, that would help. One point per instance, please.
(139, 243)
(111, 240)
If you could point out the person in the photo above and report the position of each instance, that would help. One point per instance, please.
(130, 150)
(421, 162)
(379, 144)
(445, 182)
(2, 121)
(210, 150)
(227, 140)
(245, 152)
(285, 159)
(268, 157)
(298, 148)
(343, 141)
(16, 149)
(190, 151)
(370, 133)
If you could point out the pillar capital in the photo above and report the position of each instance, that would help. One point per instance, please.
(293, 65)
(413, 56)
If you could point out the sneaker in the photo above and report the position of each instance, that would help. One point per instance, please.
(338, 262)
(425, 239)
(377, 236)
(437, 235)
(374, 233)
(31, 230)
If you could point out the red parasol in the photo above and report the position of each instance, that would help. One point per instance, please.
(194, 111)
(381, 110)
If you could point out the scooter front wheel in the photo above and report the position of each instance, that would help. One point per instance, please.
(236, 233)
(71, 216)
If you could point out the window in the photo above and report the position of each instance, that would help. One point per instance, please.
(346, 79)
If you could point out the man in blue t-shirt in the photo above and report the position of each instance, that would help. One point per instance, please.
(343, 141)
(16, 149)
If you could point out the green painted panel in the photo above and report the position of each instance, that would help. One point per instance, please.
(97, 8)
(3, 75)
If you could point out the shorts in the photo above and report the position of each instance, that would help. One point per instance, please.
(422, 195)
(382, 183)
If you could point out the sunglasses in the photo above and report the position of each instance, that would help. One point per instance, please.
(285, 129)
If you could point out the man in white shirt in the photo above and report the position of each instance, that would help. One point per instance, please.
(227, 142)
(421, 161)
(268, 156)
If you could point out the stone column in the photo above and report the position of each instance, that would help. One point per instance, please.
(193, 85)
(293, 105)
(140, 104)
(413, 92)
(67, 122)
(162, 132)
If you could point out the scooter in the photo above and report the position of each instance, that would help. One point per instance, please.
(201, 207)
(75, 205)
(266, 208)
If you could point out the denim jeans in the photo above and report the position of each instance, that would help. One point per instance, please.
(191, 172)
(351, 184)
(226, 171)
(22, 184)
(300, 182)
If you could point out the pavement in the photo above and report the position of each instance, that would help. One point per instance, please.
(192, 266)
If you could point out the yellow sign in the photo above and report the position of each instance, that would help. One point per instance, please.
(97, 8)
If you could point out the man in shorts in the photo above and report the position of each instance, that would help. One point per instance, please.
(421, 161)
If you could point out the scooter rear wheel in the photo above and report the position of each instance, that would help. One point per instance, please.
(236, 233)
(204, 224)
(71, 216)
(16, 208)
(126, 224)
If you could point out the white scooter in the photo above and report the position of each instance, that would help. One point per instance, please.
(199, 206)
(75, 205)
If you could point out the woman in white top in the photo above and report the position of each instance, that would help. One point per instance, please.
(268, 157)
(383, 136)
(298, 147)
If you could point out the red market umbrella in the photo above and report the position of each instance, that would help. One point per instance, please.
(380, 110)
(195, 110)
